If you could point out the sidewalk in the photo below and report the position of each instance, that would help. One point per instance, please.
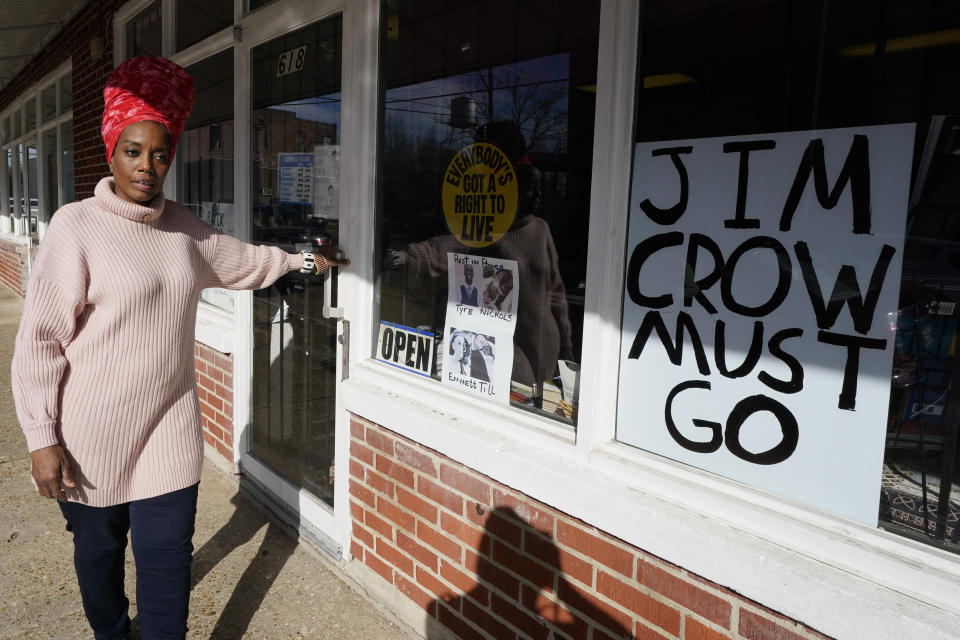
(251, 580)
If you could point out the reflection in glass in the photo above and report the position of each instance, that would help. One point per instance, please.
(50, 197)
(30, 114)
(66, 162)
(48, 103)
(504, 76)
(197, 19)
(295, 143)
(205, 153)
(144, 32)
(10, 192)
(66, 93)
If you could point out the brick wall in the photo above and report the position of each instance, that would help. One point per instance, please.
(13, 266)
(486, 562)
(215, 388)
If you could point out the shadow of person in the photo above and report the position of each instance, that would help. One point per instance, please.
(251, 588)
(520, 588)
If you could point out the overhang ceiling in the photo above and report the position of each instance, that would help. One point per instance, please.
(26, 26)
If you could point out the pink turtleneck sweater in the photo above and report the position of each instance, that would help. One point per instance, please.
(103, 362)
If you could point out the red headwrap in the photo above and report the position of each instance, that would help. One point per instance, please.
(146, 88)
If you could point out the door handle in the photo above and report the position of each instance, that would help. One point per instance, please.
(330, 311)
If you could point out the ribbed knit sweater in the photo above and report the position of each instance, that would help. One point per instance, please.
(103, 362)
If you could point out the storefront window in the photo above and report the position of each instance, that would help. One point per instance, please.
(51, 198)
(791, 299)
(48, 103)
(485, 166)
(197, 19)
(66, 93)
(205, 153)
(10, 192)
(144, 34)
(30, 114)
(5, 133)
(66, 161)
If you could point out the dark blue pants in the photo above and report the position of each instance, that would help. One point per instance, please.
(161, 531)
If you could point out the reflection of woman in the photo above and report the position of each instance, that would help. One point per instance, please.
(103, 372)
(543, 332)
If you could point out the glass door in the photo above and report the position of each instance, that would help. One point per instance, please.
(295, 148)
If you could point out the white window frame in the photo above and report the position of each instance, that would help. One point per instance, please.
(839, 577)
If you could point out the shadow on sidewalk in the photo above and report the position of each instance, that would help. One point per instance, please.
(251, 588)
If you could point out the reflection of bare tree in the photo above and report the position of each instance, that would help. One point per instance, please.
(539, 107)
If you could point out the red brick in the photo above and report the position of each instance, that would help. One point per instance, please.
(395, 471)
(361, 493)
(205, 382)
(378, 440)
(529, 626)
(422, 508)
(356, 511)
(494, 575)
(473, 537)
(540, 604)
(423, 599)
(430, 582)
(363, 535)
(209, 439)
(694, 630)
(215, 374)
(440, 542)
(394, 514)
(701, 602)
(416, 550)
(215, 401)
(215, 431)
(639, 603)
(495, 523)
(224, 450)
(379, 525)
(531, 514)
(457, 625)
(589, 544)
(445, 498)
(378, 565)
(463, 482)
(755, 627)
(199, 365)
(377, 482)
(392, 555)
(525, 567)
(356, 429)
(593, 609)
(223, 421)
(487, 622)
(357, 470)
(413, 458)
(465, 583)
(356, 550)
(568, 564)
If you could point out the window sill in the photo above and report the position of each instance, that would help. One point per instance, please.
(838, 577)
(214, 328)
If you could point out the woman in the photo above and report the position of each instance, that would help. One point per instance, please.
(103, 373)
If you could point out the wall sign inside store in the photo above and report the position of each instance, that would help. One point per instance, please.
(291, 61)
(756, 342)
(479, 195)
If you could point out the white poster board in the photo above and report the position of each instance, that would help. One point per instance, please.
(775, 260)
(326, 185)
(481, 319)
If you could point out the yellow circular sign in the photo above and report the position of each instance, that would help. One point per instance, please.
(479, 194)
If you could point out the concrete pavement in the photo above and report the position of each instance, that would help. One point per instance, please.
(251, 579)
